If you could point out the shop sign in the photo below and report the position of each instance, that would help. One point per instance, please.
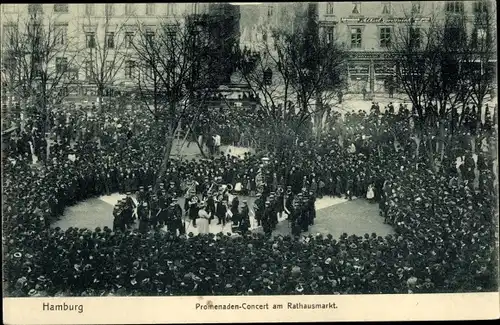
(384, 20)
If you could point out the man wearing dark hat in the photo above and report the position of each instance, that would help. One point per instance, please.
(211, 205)
(143, 213)
(274, 213)
(288, 198)
(118, 222)
(258, 207)
(311, 207)
(280, 202)
(161, 189)
(170, 218)
(154, 207)
(221, 210)
(304, 214)
(267, 218)
(236, 217)
(149, 193)
(129, 207)
(193, 209)
(141, 195)
(295, 219)
(245, 218)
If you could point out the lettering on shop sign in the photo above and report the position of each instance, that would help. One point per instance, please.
(365, 20)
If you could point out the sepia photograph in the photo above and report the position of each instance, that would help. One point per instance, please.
(248, 151)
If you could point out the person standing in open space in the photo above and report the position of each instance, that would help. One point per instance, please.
(203, 218)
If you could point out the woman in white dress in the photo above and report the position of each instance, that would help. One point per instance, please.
(370, 194)
(203, 218)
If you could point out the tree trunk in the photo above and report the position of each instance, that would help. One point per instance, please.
(200, 145)
(166, 155)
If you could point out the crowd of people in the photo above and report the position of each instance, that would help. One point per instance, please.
(435, 211)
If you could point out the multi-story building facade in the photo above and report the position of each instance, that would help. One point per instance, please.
(96, 36)
(367, 30)
(257, 21)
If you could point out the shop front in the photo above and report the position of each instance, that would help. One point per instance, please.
(370, 71)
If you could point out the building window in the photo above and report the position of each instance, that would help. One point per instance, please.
(109, 9)
(110, 40)
(356, 37)
(270, 11)
(329, 8)
(480, 7)
(416, 7)
(129, 68)
(88, 69)
(170, 9)
(73, 73)
(61, 65)
(90, 40)
(10, 34)
(150, 36)
(415, 39)
(150, 9)
(89, 9)
(482, 37)
(61, 7)
(61, 34)
(9, 8)
(386, 8)
(35, 8)
(330, 34)
(356, 9)
(454, 7)
(129, 9)
(129, 40)
(385, 36)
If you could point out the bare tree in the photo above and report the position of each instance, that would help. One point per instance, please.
(178, 71)
(105, 51)
(291, 74)
(39, 63)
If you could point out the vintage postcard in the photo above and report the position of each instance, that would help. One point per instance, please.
(249, 162)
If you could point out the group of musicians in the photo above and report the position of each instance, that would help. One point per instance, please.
(161, 209)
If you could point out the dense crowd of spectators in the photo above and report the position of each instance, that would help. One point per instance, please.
(443, 216)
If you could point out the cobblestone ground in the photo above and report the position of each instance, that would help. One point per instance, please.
(333, 216)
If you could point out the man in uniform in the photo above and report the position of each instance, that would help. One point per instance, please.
(143, 215)
(172, 189)
(258, 207)
(129, 208)
(169, 219)
(280, 201)
(141, 195)
(295, 219)
(304, 214)
(235, 205)
(274, 210)
(288, 198)
(118, 223)
(210, 206)
(267, 219)
(149, 193)
(311, 208)
(163, 206)
(221, 210)
(245, 218)
(160, 190)
(193, 209)
(178, 224)
(154, 207)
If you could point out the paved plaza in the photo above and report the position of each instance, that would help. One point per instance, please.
(333, 216)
